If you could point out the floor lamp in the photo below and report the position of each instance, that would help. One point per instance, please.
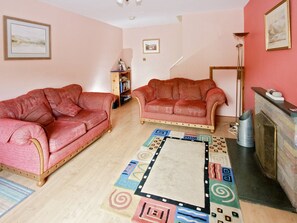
(240, 76)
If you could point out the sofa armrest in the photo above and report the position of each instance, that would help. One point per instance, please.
(23, 133)
(214, 97)
(8, 127)
(144, 94)
(97, 101)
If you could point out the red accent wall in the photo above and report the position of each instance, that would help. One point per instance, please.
(268, 69)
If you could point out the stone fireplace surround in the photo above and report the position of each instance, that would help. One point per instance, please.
(286, 122)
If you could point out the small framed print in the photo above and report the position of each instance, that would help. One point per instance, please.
(24, 39)
(151, 46)
(278, 27)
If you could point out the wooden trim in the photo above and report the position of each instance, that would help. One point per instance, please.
(209, 127)
(41, 178)
(211, 68)
(239, 69)
(70, 156)
(40, 153)
(213, 115)
(140, 110)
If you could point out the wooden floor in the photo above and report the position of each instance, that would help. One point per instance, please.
(75, 191)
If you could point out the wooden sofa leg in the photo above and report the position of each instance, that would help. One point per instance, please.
(41, 182)
(141, 122)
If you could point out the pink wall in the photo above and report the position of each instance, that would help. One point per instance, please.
(268, 69)
(203, 40)
(83, 51)
(156, 65)
(207, 40)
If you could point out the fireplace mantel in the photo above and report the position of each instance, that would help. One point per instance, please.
(285, 106)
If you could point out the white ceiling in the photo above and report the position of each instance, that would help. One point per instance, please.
(150, 12)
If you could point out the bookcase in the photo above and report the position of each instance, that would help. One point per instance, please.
(121, 85)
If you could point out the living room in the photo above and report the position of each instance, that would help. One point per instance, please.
(84, 51)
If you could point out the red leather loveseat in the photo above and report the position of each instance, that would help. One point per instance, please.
(180, 101)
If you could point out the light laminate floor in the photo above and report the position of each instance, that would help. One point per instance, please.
(74, 192)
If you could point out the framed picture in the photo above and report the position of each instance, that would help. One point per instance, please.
(277, 27)
(151, 46)
(24, 39)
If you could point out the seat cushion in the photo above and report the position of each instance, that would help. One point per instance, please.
(62, 133)
(89, 118)
(195, 108)
(165, 106)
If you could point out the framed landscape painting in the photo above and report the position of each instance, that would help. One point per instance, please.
(24, 39)
(278, 27)
(151, 46)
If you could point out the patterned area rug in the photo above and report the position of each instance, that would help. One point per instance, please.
(11, 194)
(177, 177)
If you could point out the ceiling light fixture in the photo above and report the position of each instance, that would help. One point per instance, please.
(121, 2)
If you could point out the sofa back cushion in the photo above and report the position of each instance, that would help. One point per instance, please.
(41, 114)
(205, 86)
(61, 97)
(182, 88)
(32, 107)
(165, 89)
(190, 91)
(9, 109)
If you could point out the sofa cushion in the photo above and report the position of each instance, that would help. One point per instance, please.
(164, 91)
(190, 92)
(39, 113)
(190, 108)
(165, 106)
(17, 107)
(9, 109)
(62, 133)
(89, 118)
(67, 107)
(149, 94)
(56, 95)
(205, 86)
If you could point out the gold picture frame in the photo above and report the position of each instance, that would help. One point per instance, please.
(24, 39)
(151, 46)
(278, 27)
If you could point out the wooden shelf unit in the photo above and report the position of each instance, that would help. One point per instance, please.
(121, 85)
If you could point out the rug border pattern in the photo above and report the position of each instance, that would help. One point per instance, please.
(206, 208)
